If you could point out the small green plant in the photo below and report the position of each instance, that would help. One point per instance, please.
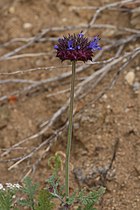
(87, 201)
(7, 196)
(82, 199)
(12, 197)
(45, 200)
(29, 190)
(30, 196)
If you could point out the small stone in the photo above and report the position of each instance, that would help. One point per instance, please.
(104, 96)
(108, 106)
(64, 20)
(137, 68)
(76, 126)
(12, 10)
(93, 105)
(136, 86)
(126, 110)
(99, 137)
(27, 25)
(130, 76)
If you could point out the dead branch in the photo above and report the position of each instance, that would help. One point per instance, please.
(101, 9)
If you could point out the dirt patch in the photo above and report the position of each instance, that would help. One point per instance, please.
(106, 139)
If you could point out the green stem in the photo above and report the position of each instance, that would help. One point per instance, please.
(70, 130)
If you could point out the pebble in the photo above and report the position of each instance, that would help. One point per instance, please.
(99, 137)
(12, 10)
(64, 19)
(137, 68)
(130, 76)
(136, 86)
(108, 106)
(93, 105)
(27, 25)
(76, 126)
(104, 96)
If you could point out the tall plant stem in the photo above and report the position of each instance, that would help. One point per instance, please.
(70, 130)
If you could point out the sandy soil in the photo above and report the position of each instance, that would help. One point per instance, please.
(106, 132)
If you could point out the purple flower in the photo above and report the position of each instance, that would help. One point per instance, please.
(55, 47)
(94, 44)
(70, 43)
(76, 47)
(81, 34)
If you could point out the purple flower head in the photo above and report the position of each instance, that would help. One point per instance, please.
(76, 47)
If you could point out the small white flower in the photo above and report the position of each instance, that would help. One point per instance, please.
(9, 185)
(1, 186)
(18, 186)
